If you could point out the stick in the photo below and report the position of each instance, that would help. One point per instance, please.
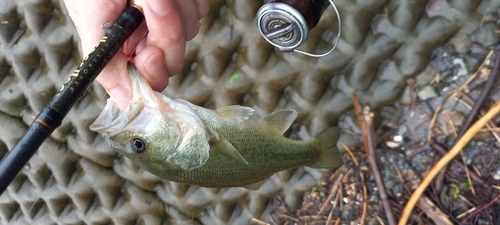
(367, 132)
(333, 192)
(494, 110)
(484, 93)
(259, 222)
(490, 125)
(457, 162)
(433, 212)
(362, 177)
(480, 209)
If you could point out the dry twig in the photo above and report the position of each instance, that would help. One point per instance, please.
(465, 86)
(260, 222)
(493, 111)
(484, 93)
(365, 191)
(480, 209)
(334, 191)
(471, 210)
(490, 125)
(477, 179)
(434, 118)
(467, 173)
(365, 122)
(365, 200)
(433, 212)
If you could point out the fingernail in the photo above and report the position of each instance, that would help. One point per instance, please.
(121, 96)
(160, 7)
(155, 66)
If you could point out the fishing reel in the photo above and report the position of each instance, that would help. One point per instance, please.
(285, 24)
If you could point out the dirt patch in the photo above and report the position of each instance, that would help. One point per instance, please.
(414, 134)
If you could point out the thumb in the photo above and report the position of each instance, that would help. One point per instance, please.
(90, 15)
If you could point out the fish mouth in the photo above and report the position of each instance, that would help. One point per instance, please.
(112, 121)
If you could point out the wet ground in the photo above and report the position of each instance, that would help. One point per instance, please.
(413, 135)
(402, 58)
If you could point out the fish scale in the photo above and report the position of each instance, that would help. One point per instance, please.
(185, 143)
(262, 163)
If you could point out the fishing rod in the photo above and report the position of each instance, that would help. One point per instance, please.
(71, 91)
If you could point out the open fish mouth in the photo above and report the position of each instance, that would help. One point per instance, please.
(111, 121)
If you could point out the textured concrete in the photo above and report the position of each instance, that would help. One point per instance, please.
(76, 178)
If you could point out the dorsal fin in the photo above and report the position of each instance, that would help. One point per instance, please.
(282, 119)
(236, 112)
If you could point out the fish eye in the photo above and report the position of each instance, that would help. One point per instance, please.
(137, 145)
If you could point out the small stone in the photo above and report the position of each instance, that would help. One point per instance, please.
(427, 92)
(392, 144)
(389, 184)
(402, 129)
(462, 69)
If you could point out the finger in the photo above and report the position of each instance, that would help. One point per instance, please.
(151, 64)
(166, 32)
(116, 81)
(89, 27)
(202, 6)
(90, 32)
(131, 44)
(141, 45)
(189, 16)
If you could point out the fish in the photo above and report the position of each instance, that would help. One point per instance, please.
(228, 147)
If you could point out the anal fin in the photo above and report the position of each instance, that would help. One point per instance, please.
(255, 186)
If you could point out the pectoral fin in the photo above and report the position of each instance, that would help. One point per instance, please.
(225, 147)
(282, 119)
(193, 152)
(236, 112)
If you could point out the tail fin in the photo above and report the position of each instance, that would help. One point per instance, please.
(330, 156)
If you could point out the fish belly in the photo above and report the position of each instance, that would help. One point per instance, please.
(266, 152)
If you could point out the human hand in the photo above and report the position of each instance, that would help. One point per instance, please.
(159, 53)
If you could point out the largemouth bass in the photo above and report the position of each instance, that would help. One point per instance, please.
(185, 143)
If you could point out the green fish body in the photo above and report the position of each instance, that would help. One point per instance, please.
(185, 143)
